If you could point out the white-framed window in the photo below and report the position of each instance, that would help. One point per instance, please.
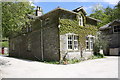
(89, 42)
(72, 42)
(80, 20)
(116, 29)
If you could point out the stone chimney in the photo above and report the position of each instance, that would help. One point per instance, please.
(39, 11)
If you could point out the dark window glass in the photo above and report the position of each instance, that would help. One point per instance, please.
(116, 28)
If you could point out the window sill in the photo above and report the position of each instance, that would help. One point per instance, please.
(73, 50)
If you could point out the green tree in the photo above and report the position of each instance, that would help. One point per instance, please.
(106, 15)
(14, 16)
(117, 11)
(110, 13)
(100, 14)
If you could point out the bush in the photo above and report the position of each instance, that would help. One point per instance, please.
(100, 55)
(52, 62)
(96, 48)
(97, 56)
(72, 61)
(99, 44)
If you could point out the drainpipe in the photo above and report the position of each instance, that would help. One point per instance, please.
(41, 41)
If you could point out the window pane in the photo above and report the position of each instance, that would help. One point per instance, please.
(75, 37)
(70, 41)
(70, 37)
(86, 38)
(87, 45)
(69, 46)
(75, 44)
(116, 28)
(91, 45)
(91, 39)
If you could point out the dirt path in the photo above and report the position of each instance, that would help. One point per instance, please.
(98, 68)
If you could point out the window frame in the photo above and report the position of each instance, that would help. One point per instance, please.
(73, 42)
(81, 21)
(69, 40)
(118, 26)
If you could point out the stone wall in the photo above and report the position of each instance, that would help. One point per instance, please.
(44, 42)
(113, 40)
(63, 45)
(40, 44)
(21, 43)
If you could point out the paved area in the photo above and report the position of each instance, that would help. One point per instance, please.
(98, 68)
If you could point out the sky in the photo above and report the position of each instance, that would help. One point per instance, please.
(87, 5)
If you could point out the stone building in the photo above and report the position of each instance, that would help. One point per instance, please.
(43, 41)
(111, 33)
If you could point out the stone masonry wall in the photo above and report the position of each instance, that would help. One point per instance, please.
(40, 44)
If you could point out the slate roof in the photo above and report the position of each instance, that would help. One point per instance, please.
(94, 19)
(73, 11)
(108, 26)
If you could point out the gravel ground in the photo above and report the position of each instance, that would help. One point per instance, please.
(98, 68)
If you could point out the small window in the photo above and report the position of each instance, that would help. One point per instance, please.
(80, 20)
(72, 42)
(116, 29)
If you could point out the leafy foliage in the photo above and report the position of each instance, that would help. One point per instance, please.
(4, 44)
(14, 17)
(117, 11)
(106, 15)
(71, 26)
(99, 44)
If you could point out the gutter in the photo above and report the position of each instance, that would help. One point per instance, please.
(41, 42)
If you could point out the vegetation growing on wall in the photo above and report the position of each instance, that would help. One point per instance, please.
(71, 26)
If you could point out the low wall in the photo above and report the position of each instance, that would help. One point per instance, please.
(77, 55)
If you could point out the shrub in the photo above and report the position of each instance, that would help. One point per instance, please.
(96, 47)
(99, 44)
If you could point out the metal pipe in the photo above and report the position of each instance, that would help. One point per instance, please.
(41, 42)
